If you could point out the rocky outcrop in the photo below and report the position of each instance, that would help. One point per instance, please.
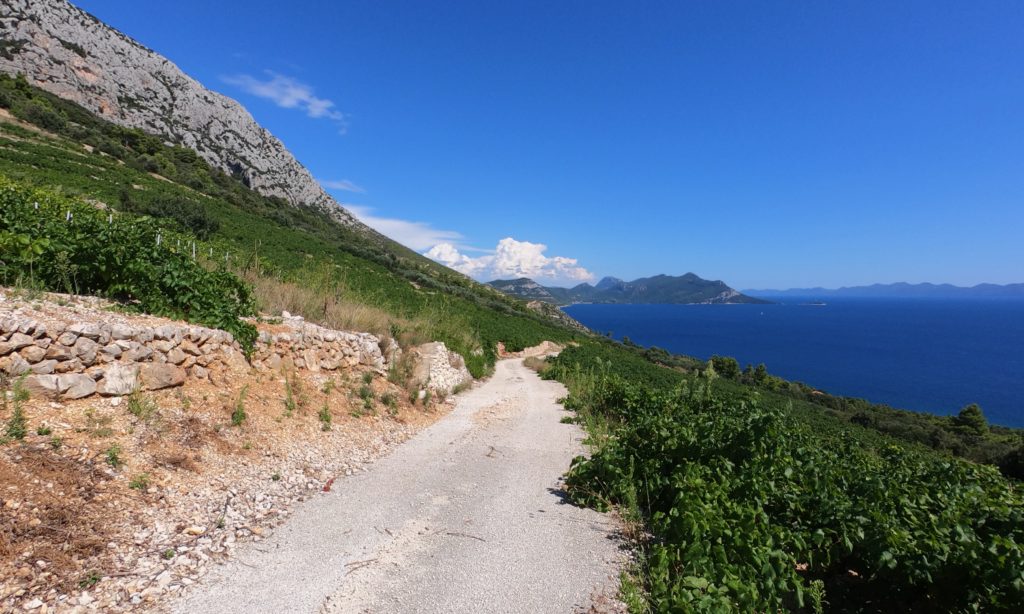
(439, 369)
(71, 54)
(75, 352)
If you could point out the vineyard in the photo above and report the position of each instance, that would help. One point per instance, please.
(54, 243)
(752, 508)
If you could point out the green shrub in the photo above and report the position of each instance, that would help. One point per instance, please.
(238, 414)
(17, 425)
(141, 406)
(139, 482)
(391, 402)
(325, 418)
(134, 260)
(113, 456)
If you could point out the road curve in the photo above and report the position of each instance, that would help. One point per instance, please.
(465, 517)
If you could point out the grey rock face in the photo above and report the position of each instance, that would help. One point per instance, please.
(70, 53)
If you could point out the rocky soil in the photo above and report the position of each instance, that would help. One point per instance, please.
(116, 503)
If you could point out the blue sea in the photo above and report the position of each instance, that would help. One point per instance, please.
(926, 355)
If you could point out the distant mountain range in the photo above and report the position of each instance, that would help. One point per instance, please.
(660, 289)
(902, 290)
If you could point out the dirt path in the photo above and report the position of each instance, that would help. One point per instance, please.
(467, 516)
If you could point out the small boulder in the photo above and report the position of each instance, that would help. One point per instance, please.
(15, 365)
(154, 376)
(44, 366)
(33, 353)
(112, 351)
(76, 385)
(168, 332)
(42, 386)
(120, 332)
(162, 345)
(119, 379)
(84, 329)
(16, 342)
(69, 366)
(57, 351)
(312, 359)
(139, 354)
(85, 349)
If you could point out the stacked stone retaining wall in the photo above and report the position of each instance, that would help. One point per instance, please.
(85, 352)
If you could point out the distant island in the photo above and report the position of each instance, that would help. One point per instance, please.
(685, 289)
(902, 290)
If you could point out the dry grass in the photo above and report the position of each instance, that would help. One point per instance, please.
(537, 363)
(324, 300)
(318, 303)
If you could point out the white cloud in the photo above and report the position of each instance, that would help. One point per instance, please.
(416, 235)
(342, 184)
(513, 259)
(289, 93)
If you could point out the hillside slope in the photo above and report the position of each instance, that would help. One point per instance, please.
(297, 258)
(70, 53)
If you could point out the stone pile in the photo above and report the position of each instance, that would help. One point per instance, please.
(438, 368)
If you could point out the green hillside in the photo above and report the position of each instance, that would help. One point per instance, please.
(293, 256)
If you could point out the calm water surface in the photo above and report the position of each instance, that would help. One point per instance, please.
(926, 355)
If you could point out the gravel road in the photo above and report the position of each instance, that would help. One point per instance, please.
(467, 516)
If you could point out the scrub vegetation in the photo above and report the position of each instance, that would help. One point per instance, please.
(749, 503)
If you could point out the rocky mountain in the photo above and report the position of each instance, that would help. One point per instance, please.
(660, 289)
(525, 288)
(71, 54)
(904, 290)
(607, 283)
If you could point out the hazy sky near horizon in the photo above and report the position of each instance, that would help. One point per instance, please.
(767, 144)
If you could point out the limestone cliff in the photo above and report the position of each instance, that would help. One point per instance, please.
(71, 54)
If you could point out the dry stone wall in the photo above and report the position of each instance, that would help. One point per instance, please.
(303, 345)
(75, 353)
(438, 368)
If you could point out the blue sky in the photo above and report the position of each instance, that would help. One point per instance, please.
(767, 144)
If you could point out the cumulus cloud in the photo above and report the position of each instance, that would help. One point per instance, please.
(289, 93)
(512, 259)
(416, 235)
(342, 184)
